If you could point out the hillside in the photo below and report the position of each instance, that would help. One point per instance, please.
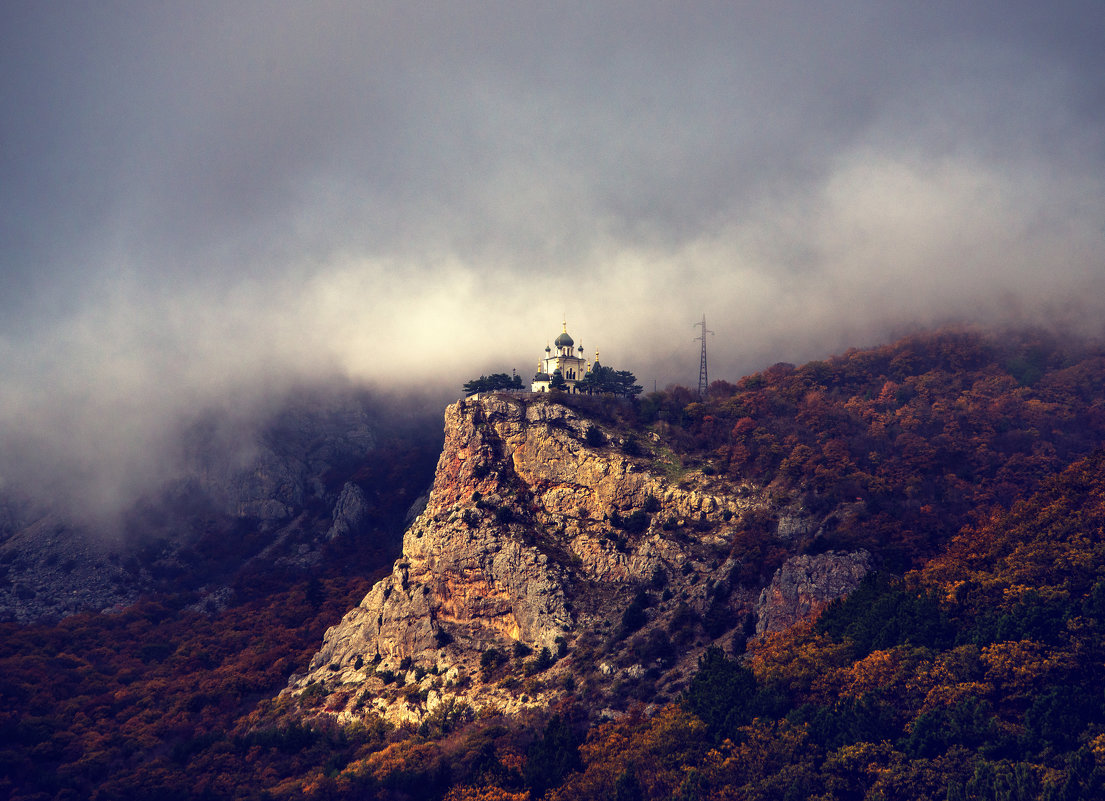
(560, 554)
(976, 677)
(675, 557)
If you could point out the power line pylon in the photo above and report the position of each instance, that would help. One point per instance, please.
(703, 379)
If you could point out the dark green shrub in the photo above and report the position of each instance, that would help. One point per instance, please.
(881, 613)
(636, 523)
(550, 759)
(721, 693)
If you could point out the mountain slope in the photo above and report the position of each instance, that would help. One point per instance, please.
(552, 533)
(628, 538)
(977, 677)
(968, 665)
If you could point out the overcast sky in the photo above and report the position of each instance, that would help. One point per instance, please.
(205, 201)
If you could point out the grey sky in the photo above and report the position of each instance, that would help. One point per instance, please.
(203, 201)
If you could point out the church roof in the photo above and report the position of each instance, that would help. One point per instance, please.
(564, 340)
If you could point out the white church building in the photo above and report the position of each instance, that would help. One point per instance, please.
(561, 356)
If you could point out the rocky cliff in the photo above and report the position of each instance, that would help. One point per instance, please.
(560, 551)
(805, 585)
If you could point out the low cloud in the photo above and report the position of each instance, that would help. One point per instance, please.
(207, 210)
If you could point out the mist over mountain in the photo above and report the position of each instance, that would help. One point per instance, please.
(241, 499)
(250, 251)
(205, 206)
(891, 554)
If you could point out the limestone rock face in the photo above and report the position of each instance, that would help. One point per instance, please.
(350, 512)
(484, 560)
(548, 554)
(533, 539)
(805, 585)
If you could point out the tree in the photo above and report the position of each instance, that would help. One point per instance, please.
(492, 383)
(720, 693)
(551, 758)
(627, 385)
(603, 380)
(627, 787)
(557, 380)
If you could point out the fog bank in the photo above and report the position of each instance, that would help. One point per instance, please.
(203, 206)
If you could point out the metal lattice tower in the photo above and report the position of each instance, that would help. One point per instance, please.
(703, 378)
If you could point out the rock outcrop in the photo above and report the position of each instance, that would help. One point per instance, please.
(350, 514)
(805, 585)
(553, 549)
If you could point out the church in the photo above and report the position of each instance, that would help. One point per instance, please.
(561, 356)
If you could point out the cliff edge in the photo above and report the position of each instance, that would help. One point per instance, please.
(559, 552)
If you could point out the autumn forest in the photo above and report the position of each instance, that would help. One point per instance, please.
(968, 665)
